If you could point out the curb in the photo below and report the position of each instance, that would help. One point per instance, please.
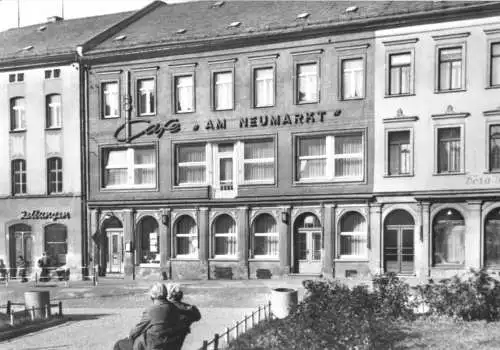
(31, 328)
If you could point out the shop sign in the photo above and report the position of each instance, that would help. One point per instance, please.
(173, 126)
(44, 215)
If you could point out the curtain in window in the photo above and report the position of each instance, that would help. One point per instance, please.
(495, 64)
(17, 113)
(150, 241)
(400, 73)
(19, 176)
(399, 152)
(145, 166)
(353, 236)
(449, 242)
(307, 82)
(56, 244)
(110, 99)
(264, 87)
(352, 73)
(449, 150)
(146, 89)
(450, 68)
(225, 235)
(495, 147)
(312, 157)
(258, 160)
(54, 169)
(116, 168)
(185, 93)
(191, 164)
(348, 154)
(186, 236)
(224, 90)
(266, 237)
(53, 111)
(492, 240)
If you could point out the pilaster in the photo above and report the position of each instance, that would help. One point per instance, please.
(329, 239)
(374, 239)
(285, 240)
(473, 236)
(204, 234)
(423, 259)
(128, 236)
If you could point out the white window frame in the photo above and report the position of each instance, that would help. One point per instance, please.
(272, 97)
(330, 157)
(387, 152)
(58, 171)
(215, 89)
(19, 175)
(268, 160)
(353, 234)
(54, 112)
(216, 235)
(103, 95)
(149, 93)
(178, 90)
(489, 125)
(191, 164)
(195, 235)
(298, 77)
(265, 234)
(490, 69)
(131, 166)
(436, 148)
(411, 86)
(463, 80)
(17, 114)
(352, 77)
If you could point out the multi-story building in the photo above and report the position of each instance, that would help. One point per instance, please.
(41, 207)
(236, 139)
(437, 157)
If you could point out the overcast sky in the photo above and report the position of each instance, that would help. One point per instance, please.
(37, 11)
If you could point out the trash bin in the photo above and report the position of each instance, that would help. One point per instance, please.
(283, 301)
(40, 300)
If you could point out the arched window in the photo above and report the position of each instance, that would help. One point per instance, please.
(149, 249)
(56, 243)
(353, 235)
(54, 175)
(265, 237)
(186, 237)
(448, 238)
(17, 114)
(21, 244)
(18, 176)
(224, 233)
(53, 115)
(492, 238)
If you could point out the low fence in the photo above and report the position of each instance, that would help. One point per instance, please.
(240, 327)
(25, 314)
(52, 274)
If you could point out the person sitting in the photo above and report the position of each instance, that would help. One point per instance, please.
(21, 268)
(44, 264)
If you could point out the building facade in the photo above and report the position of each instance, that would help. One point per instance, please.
(436, 165)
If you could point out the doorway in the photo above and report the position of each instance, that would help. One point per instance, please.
(115, 250)
(21, 245)
(308, 244)
(399, 247)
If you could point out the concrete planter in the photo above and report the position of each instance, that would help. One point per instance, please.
(40, 300)
(283, 301)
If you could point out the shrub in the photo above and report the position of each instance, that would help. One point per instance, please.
(474, 296)
(393, 296)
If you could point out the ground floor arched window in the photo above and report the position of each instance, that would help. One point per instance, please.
(224, 236)
(265, 237)
(56, 243)
(186, 237)
(353, 235)
(21, 245)
(448, 232)
(149, 241)
(492, 238)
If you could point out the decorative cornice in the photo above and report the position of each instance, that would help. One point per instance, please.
(400, 118)
(450, 36)
(183, 65)
(103, 72)
(142, 69)
(492, 113)
(230, 60)
(309, 52)
(264, 57)
(492, 31)
(352, 47)
(450, 114)
(400, 42)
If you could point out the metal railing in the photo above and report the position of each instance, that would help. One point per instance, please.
(239, 328)
(31, 314)
(8, 274)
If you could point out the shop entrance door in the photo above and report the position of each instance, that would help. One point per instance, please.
(115, 250)
(24, 248)
(224, 184)
(399, 251)
(308, 243)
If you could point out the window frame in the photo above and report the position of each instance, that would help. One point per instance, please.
(196, 235)
(15, 116)
(22, 173)
(240, 158)
(387, 152)
(489, 125)
(48, 115)
(47, 243)
(433, 237)
(330, 167)
(206, 163)
(175, 90)
(489, 69)
(342, 60)
(104, 152)
(137, 81)
(264, 234)
(437, 68)
(213, 74)
(58, 170)
(296, 80)
(214, 235)
(253, 91)
(388, 76)
(436, 148)
(101, 98)
(350, 234)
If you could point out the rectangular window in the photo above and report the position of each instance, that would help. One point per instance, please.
(54, 175)
(449, 150)
(109, 100)
(399, 153)
(494, 147)
(495, 64)
(264, 87)
(223, 91)
(330, 158)
(12, 78)
(56, 243)
(130, 168)
(146, 96)
(258, 161)
(48, 74)
(191, 165)
(352, 78)
(53, 111)
(18, 176)
(450, 69)
(307, 83)
(20, 77)
(184, 94)
(57, 73)
(400, 73)
(17, 114)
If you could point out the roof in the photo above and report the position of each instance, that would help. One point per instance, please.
(54, 38)
(201, 20)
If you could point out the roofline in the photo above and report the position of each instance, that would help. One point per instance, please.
(321, 29)
(38, 62)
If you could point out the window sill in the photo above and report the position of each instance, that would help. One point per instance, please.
(449, 91)
(400, 95)
(193, 186)
(228, 259)
(128, 188)
(110, 118)
(149, 265)
(448, 266)
(185, 112)
(306, 103)
(387, 176)
(351, 259)
(449, 174)
(264, 259)
(262, 107)
(252, 184)
(492, 172)
(17, 131)
(223, 110)
(351, 99)
(327, 181)
(492, 87)
(185, 258)
(143, 115)
(55, 128)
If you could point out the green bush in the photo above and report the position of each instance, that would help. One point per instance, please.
(474, 296)
(393, 296)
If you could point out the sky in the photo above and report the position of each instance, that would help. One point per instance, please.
(37, 11)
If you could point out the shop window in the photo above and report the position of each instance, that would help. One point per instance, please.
(307, 83)
(53, 115)
(265, 237)
(492, 238)
(495, 64)
(146, 96)
(110, 100)
(184, 93)
(130, 168)
(353, 236)
(56, 244)
(448, 231)
(20, 245)
(451, 68)
(400, 74)
(449, 153)
(352, 78)
(54, 175)
(149, 250)
(191, 164)
(186, 235)
(258, 161)
(223, 91)
(18, 176)
(17, 114)
(494, 137)
(263, 87)
(330, 158)
(399, 153)
(224, 237)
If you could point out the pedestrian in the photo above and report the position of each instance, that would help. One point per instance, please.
(44, 264)
(21, 268)
(3, 270)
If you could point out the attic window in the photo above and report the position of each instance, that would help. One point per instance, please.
(234, 24)
(120, 38)
(303, 15)
(218, 4)
(42, 28)
(351, 9)
(180, 31)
